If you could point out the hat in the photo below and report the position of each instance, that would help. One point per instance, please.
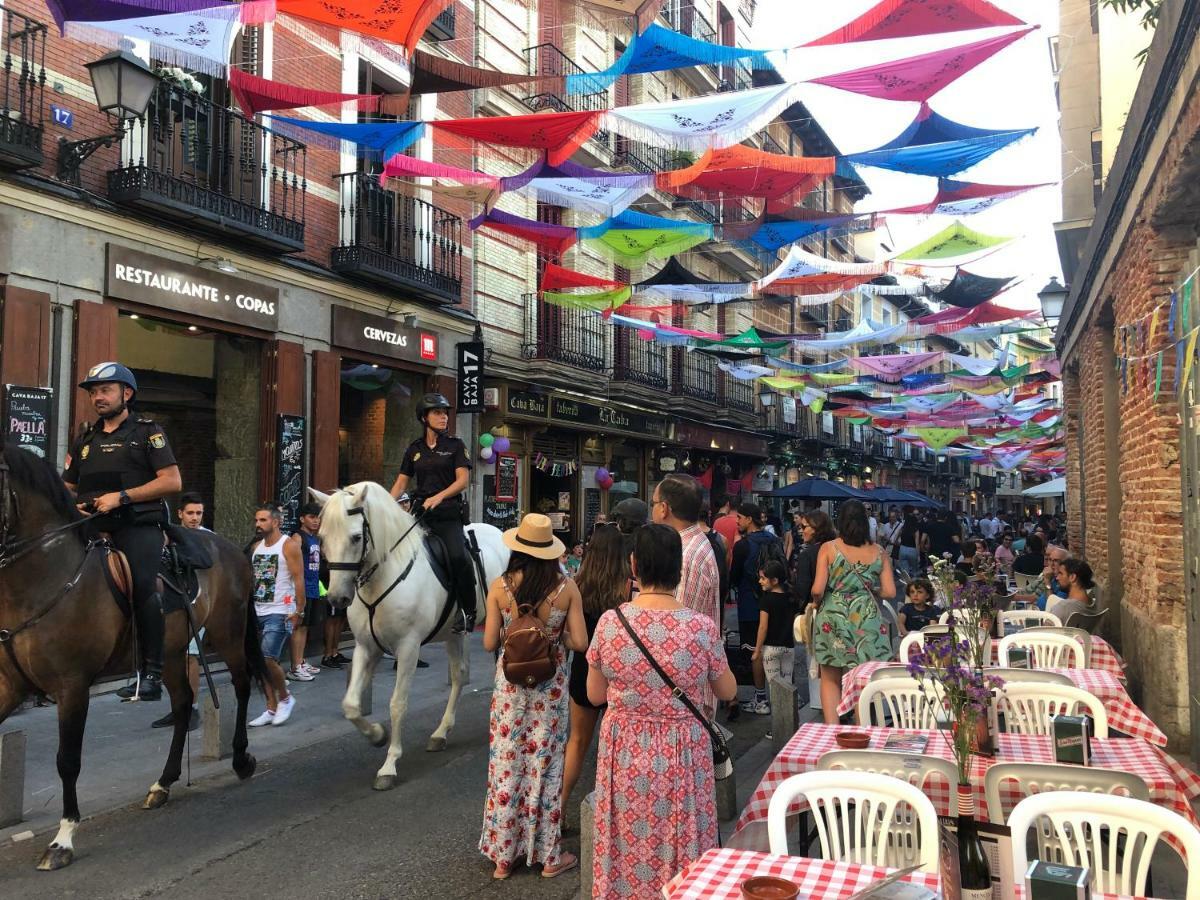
(630, 513)
(535, 536)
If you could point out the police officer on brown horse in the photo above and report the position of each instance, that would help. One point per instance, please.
(121, 468)
(442, 471)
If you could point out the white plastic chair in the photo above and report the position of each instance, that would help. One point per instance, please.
(1021, 616)
(1028, 706)
(1083, 637)
(917, 639)
(1046, 650)
(1084, 831)
(1032, 675)
(1039, 778)
(1027, 584)
(891, 671)
(917, 770)
(855, 813)
(899, 699)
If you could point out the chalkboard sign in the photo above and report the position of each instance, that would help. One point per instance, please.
(29, 418)
(501, 513)
(591, 510)
(507, 467)
(289, 469)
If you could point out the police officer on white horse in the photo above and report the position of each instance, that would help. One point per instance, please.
(442, 471)
(121, 468)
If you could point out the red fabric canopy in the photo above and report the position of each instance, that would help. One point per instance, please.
(556, 278)
(255, 95)
(910, 18)
(553, 240)
(741, 171)
(959, 191)
(559, 134)
(398, 21)
(919, 77)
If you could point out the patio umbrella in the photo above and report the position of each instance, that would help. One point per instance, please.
(916, 498)
(885, 494)
(820, 489)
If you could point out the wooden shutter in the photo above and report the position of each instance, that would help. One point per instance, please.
(95, 342)
(326, 418)
(26, 335)
(283, 392)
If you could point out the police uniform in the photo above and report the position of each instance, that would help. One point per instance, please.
(434, 470)
(103, 462)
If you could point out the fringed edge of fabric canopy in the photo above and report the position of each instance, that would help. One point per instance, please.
(604, 300)
(295, 128)
(679, 243)
(166, 54)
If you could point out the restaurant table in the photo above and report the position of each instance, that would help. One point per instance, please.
(720, 873)
(1104, 656)
(1123, 714)
(1171, 785)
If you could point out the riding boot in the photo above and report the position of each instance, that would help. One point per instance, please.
(464, 596)
(151, 634)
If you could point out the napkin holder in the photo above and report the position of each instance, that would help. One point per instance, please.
(1072, 739)
(1051, 881)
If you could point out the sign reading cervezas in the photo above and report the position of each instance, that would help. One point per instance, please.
(156, 281)
(382, 336)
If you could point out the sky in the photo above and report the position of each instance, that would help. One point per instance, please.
(1013, 89)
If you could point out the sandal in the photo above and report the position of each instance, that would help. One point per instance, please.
(567, 862)
(501, 872)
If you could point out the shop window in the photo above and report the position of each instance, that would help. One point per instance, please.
(625, 466)
(378, 421)
(204, 388)
(554, 480)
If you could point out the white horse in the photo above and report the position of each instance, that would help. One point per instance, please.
(379, 560)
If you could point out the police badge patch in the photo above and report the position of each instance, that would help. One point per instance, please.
(83, 453)
(416, 456)
(157, 441)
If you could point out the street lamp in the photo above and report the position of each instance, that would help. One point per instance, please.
(766, 397)
(124, 86)
(1052, 297)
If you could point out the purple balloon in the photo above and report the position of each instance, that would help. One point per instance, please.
(602, 475)
(501, 445)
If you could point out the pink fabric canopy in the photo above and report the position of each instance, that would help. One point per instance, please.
(911, 18)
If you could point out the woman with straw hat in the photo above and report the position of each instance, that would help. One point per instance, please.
(522, 816)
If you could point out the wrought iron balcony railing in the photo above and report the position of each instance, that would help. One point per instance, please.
(398, 240)
(770, 145)
(549, 61)
(575, 337)
(193, 161)
(694, 375)
(646, 158)
(640, 362)
(736, 76)
(683, 17)
(22, 121)
(736, 394)
(442, 28)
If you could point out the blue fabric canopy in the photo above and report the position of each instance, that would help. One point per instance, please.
(631, 219)
(776, 233)
(935, 146)
(657, 49)
(382, 139)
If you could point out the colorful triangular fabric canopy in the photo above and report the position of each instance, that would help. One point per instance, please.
(578, 187)
(558, 134)
(199, 40)
(658, 49)
(749, 339)
(896, 366)
(383, 139)
(554, 240)
(632, 238)
(397, 21)
(65, 11)
(966, 290)
(959, 198)
(911, 18)
(557, 278)
(780, 232)
(676, 283)
(953, 241)
(255, 95)
(742, 171)
(919, 77)
(433, 74)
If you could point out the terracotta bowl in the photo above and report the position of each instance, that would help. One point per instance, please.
(767, 887)
(853, 740)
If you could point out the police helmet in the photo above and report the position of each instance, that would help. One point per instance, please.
(105, 372)
(431, 401)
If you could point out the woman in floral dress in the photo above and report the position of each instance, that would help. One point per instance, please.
(852, 575)
(522, 815)
(655, 797)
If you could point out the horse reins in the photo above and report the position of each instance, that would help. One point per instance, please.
(363, 578)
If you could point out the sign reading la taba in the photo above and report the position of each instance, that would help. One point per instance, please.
(157, 281)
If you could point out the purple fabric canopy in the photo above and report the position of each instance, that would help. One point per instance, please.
(112, 10)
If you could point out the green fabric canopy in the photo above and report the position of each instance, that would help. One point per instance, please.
(956, 240)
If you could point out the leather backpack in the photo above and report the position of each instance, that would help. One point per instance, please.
(528, 649)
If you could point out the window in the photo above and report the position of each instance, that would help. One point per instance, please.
(1097, 166)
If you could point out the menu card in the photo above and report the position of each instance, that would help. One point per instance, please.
(906, 743)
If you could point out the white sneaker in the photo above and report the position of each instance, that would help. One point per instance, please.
(311, 670)
(300, 675)
(266, 718)
(756, 707)
(283, 711)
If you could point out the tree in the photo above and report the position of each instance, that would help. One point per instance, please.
(1149, 9)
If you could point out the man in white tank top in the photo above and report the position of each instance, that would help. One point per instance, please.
(278, 569)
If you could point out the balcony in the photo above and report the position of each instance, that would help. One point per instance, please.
(198, 164)
(736, 76)
(682, 16)
(397, 240)
(737, 395)
(694, 375)
(442, 28)
(22, 116)
(645, 158)
(548, 61)
(574, 337)
(639, 362)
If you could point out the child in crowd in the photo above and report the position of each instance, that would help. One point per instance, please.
(774, 649)
(919, 609)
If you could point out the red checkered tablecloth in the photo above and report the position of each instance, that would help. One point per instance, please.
(1104, 657)
(1123, 714)
(1171, 785)
(720, 873)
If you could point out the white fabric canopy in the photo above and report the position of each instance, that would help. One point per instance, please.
(1055, 487)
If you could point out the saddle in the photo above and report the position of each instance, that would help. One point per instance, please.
(182, 557)
(439, 559)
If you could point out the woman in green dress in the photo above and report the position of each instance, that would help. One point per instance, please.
(852, 575)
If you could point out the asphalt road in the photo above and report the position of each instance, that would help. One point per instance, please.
(308, 825)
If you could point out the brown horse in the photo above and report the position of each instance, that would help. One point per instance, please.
(61, 629)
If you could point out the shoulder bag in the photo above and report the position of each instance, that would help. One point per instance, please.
(722, 761)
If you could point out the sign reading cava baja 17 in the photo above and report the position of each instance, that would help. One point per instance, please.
(470, 376)
(289, 469)
(28, 415)
(157, 281)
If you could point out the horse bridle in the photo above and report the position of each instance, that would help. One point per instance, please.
(363, 578)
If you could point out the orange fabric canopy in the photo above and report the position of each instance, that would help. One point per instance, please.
(399, 21)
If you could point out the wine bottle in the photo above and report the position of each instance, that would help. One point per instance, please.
(974, 871)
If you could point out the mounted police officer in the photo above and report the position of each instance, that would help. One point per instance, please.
(122, 467)
(442, 471)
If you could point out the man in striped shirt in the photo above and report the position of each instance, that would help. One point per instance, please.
(677, 502)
